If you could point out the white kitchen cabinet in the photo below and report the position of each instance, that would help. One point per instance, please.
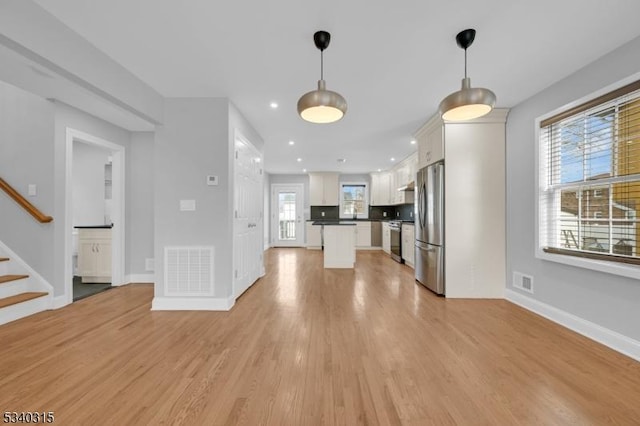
(380, 189)
(324, 189)
(363, 234)
(474, 171)
(430, 139)
(408, 243)
(314, 236)
(386, 238)
(94, 255)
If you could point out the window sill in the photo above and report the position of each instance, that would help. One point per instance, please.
(614, 268)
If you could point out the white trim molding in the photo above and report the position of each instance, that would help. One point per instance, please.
(118, 210)
(192, 303)
(139, 278)
(59, 302)
(609, 338)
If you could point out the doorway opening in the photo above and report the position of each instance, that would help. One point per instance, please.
(287, 227)
(94, 219)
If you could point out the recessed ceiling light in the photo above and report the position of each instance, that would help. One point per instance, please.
(304, 170)
(413, 141)
(273, 105)
(342, 160)
(393, 159)
(299, 160)
(379, 170)
(292, 143)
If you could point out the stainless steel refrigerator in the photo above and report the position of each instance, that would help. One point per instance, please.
(429, 225)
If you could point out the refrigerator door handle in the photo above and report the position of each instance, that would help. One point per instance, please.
(422, 211)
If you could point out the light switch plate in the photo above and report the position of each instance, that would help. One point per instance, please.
(212, 180)
(187, 205)
(32, 190)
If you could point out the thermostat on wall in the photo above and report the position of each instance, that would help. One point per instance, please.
(212, 180)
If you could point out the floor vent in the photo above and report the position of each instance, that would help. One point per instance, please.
(188, 271)
(523, 282)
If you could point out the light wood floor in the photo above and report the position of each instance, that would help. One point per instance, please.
(307, 346)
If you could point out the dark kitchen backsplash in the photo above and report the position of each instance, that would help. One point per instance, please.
(378, 212)
(400, 212)
(330, 212)
(405, 212)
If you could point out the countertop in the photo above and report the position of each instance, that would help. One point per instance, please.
(333, 223)
(386, 219)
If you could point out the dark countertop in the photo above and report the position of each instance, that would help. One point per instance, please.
(352, 220)
(95, 227)
(333, 222)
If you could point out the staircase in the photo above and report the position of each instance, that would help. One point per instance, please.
(19, 294)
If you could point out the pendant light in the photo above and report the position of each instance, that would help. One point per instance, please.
(322, 105)
(467, 103)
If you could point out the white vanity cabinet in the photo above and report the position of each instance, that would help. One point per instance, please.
(94, 255)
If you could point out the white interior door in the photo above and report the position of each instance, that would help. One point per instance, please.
(248, 212)
(287, 226)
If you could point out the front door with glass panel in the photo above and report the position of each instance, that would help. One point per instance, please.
(287, 225)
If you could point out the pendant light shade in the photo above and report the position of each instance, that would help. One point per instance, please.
(467, 103)
(322, 106)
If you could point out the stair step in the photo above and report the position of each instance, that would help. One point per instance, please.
(19, 298)
(7, 278)
(4, 259)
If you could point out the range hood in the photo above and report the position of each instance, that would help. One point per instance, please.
(408, 187)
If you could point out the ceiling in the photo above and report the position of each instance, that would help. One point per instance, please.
(393, 62)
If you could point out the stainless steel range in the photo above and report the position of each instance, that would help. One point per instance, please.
(395, 226)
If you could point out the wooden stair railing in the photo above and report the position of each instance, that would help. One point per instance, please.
(30, 208)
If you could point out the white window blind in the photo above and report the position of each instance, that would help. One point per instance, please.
(353, 200)
(590, 178)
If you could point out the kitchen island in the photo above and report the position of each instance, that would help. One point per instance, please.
(339, 244)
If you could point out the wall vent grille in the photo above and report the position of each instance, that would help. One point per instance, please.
(188, 271)
(523, 282)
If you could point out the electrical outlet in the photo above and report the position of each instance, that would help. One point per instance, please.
(322, 213)
(384, 214)
(397, 214)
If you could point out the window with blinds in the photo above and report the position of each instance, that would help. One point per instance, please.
(590, 178)
(353, 200)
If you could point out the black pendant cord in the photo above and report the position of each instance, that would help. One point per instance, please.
(465, 63)
(322, 65)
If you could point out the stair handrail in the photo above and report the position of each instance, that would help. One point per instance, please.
(30, 208)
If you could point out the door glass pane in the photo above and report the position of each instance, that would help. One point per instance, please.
(286, 216)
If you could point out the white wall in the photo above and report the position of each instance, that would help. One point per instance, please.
(89, 184)
(26, 157)
(193, 143)
(139, 202)
(607, 300)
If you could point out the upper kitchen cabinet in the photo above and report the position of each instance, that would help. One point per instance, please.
(430, 139)
(380, 189)
(324, 189)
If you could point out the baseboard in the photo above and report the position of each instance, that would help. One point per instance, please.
(139, 278)
(59, 302)
(192, 304)
(609, 338)
(369, 248)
